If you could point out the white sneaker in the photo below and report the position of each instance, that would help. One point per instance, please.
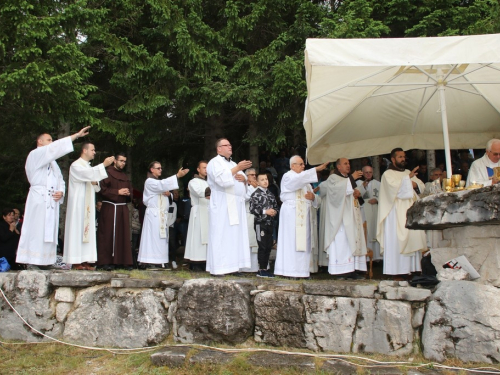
(174, 264)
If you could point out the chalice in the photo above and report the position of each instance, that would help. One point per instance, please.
(447, 184)
(456, 178)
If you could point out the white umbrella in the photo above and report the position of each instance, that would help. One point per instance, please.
(368, 96)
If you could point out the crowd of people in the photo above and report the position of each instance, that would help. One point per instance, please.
(318, 218)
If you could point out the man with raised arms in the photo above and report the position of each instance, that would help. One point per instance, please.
(38, 242)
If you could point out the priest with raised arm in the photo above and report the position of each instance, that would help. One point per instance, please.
(401, 247)
(228, 248)
(153, 250)
(295, 232)
(38, 242)
(344, 237)
(80, 248)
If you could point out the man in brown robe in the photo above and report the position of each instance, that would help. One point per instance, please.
(113, 233)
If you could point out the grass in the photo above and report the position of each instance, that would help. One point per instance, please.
(53, 358)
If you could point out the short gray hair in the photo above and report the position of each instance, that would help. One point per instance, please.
(249, 170)
(435, 170)
(367, 166)
(293, 159)
(490, 143)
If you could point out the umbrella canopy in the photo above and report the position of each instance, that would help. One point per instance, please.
(368, 96)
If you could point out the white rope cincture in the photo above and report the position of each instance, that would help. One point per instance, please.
(340, 357)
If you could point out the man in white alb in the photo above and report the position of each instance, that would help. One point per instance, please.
(293, 255)
(401, 247)
(79, 232)
(370, 189)
(153, 250)
(481, 170)
(228, 248)
(38, 242)
(197, 234)
(344, 234)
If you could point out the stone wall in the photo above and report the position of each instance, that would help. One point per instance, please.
(460, 319)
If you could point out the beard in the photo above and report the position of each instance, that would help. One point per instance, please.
(400, 165)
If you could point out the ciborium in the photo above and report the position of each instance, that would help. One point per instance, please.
(496, 172)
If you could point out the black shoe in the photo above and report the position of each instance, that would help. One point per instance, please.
(355, 276)
(237, 274)
(265, 273)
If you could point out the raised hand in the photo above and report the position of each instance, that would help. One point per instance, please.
(182, 172)
(108, 161)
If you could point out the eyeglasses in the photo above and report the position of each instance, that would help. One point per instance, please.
(301, 164)
(251, 174)
(157, 168)
(228, 145)
(495, 154)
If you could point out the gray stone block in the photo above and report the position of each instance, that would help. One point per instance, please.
(279, 319)
(136, 283)
(115, 317)
(281, 286)
(213, 310)
(405, 293)
(355, 289)
(173, 284)
(447, 210)
(171, 356)
(277, 360)
(65, 294)
(462, 321)
(80, 278)
(211, 357)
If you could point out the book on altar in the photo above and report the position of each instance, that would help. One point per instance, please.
(462, 262)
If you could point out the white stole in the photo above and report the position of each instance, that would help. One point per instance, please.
(300, 221)
(50, 206)
(232, 210)
(162, 202)
(86, 213)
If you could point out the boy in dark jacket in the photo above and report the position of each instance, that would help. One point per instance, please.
(264, 207)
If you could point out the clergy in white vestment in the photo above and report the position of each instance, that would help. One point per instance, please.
(252, 236)
(293, 256)
(401, 247)
(80, 233)
(38, 242)
(344, 234)
(369, 189)
(228, 247)
(197, 234)
(481, 170)
(153, 249)
(313, 216)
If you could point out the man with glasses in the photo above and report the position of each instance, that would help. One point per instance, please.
(228, 248)
(153, 250)
(294, 236)
(481, 171)
(113, 231)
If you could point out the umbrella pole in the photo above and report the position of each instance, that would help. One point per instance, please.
(444, 121)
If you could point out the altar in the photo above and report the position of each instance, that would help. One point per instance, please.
(469, 221)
